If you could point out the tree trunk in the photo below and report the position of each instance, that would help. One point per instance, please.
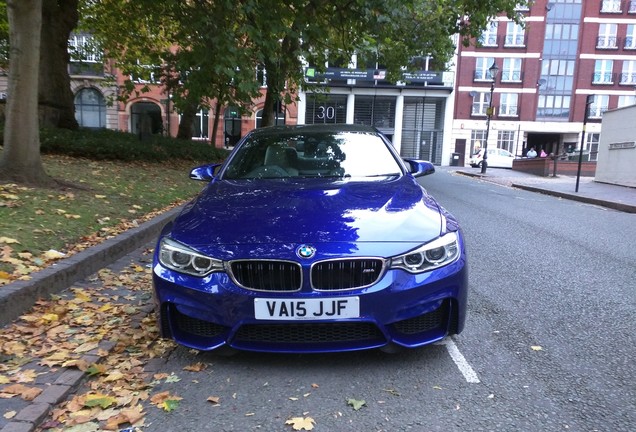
(215, 125)
(20, 161)
(56, 102)
(269, 108)
(187, 119)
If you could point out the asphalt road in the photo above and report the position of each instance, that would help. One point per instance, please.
(548, 346)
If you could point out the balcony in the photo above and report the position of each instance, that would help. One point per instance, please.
(489, 41)
(508, 111)
(515, 41)
(611, 6)
(628, 78)
(606, 42)
(511, 76)
(603, 78)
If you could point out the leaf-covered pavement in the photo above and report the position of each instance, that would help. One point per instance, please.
(102, 327)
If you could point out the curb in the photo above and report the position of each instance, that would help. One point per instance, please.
(627, 208)
(31, 417)
(17, 297)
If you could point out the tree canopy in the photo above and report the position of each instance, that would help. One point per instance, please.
(211, 50)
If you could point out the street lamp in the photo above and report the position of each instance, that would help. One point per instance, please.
(492, 71)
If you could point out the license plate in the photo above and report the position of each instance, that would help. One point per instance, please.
(306, 309)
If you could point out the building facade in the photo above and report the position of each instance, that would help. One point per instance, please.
(413, 114)
(568, 53)
(567, 50)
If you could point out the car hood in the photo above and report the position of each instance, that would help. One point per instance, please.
(294, 211)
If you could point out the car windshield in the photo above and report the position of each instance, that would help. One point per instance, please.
(312, 154)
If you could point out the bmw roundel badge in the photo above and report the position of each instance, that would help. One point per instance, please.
(305, 251)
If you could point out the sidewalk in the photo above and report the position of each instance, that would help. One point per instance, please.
(621, 198)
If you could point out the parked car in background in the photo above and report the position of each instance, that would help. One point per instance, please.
(497, 158)
(314, 238)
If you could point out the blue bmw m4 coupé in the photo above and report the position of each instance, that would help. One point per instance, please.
(313, 238)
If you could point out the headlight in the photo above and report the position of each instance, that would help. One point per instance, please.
(181, 258)
(435, 254)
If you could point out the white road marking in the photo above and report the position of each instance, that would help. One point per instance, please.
(463, 366)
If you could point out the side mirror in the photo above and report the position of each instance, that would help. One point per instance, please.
(419, 168)
(204, 172)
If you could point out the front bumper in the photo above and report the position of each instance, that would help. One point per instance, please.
(401, 308)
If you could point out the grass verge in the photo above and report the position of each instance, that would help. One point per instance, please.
(39, 225)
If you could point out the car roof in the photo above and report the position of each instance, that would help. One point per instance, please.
(313, 128)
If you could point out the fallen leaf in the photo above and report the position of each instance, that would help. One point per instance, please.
(100, 400)
(196, 367)
(86, 347)
(52, 254)
(9, 415)
(356, 404)
(214, 399)
(7, 240)
(173, 379)
(536, 348)
(301, 423)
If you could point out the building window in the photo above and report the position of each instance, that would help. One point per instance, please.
(477, 140)
(515, 35)
(624, 100)
(631, 6)
(201, 125)
(591, 145)
(599, 106)
(145, 74)
(326, 109)
(606, 36)
(506, 140)
(603, 72)
(489, 36)
(82, 48)
(90, 108)
(279, 119)
(628, 75)
(630, 37)
(511, 70)
(481, 100)
(378, 111)
(261, 75)
(85, 58)
(481, 68)
(561, 39)
(611, 6)
(553, 106)
(508, 105)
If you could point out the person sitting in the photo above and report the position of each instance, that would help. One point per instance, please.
(543, 153)
(532, 153)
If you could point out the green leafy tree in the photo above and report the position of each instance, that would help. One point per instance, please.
(195, 46)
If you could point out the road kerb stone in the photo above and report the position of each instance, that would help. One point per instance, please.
(34, 413)
(53, 394)
(18, 427)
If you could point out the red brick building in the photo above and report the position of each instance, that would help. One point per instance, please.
(568, 50)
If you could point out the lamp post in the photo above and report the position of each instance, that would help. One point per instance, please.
(492, 71)
(589, 100)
